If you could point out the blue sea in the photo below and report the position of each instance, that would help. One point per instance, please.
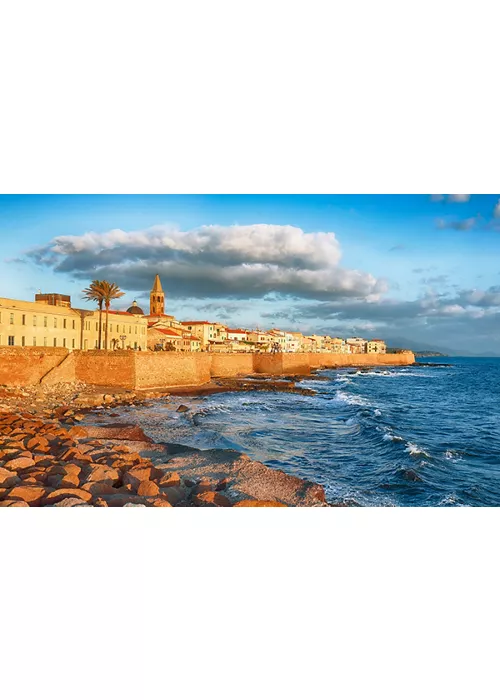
(426, 435)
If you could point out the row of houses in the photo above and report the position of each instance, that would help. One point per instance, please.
(51, 321)
(216, 337)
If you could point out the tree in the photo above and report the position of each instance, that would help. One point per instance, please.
(94, 292)
(109, 291)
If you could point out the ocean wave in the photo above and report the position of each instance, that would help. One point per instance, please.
(350, 399)
(392, 437)
(415, 450)
(453, 456)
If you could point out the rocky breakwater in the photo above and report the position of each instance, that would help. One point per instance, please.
(54, 461)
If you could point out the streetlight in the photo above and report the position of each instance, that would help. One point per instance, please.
(123, 338)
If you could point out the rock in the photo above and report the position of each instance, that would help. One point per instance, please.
(60, 494)
(118, 431)
(100, 503)
(8, 478)
(118, 500)
(250, 503)
(148, 488)
(71, 503)
(131, 505)
(222, 484)
(204, 485)
(174, 494)
(32, 495)
(20, 463)
(74, 454)
(105, 475)
(211, 498)
(8, 503)
(182, 409)
(38, 444)
(170, 479)
(137, 474)
(78, 432)
(158, 502)
(61, 481)
(98, 488)
(189, 482)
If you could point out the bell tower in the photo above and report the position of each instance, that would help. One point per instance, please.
(157, 299)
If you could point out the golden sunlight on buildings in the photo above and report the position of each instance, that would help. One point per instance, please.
(51, 321)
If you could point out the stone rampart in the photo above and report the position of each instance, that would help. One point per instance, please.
(232, 364)
(171, 369)
(27, 366)
(151, 370)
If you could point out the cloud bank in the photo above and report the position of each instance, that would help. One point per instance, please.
(213, 261)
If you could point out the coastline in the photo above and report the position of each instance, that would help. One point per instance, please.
(75, 455)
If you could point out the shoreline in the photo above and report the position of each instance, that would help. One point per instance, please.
(58, 455)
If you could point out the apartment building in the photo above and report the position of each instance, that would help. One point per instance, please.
(50, 321)
(376, 345)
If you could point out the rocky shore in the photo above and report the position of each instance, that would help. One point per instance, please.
(48, 458)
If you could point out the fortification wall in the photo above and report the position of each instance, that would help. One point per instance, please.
(232, 365)
(170, 369)
(106, 368)
(63, 372)
(150, 370)
(27, 366)
(360, 359)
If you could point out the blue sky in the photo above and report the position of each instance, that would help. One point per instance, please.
(419, 269)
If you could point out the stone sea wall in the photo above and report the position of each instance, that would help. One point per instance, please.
(149, 370)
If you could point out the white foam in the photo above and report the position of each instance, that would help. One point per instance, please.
(351, 399)
(415, 450)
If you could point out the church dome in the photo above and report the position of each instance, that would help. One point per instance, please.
(135, 309)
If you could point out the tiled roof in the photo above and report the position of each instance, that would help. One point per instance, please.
(196, 323)
(235, 330)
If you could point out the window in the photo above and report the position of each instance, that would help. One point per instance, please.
(111, 327)
(34, 342)
(55, 342)
(45, 342)
(12, 321)
(34, 320)
(23, 341)
(96, 344)
(24, 320)
(45, 321)
(55, 322)
(64, 342)
(73, 325)
(136, 330)
(96, 326)
(130, 329)
(73, 342)
(11, 340)
(64, 323)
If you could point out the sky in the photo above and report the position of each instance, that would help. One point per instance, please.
(421, 271)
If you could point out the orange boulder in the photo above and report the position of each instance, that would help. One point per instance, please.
(250, 503)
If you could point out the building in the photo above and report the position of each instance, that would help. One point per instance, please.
(157, 299)
(356, 344)
(262, 340)
(204, 330)
(376, 345)
(41, 324)
(237, 334)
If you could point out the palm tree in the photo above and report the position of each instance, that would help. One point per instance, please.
(94, 292)
(109, 291)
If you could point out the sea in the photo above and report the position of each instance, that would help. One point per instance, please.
(424, 435)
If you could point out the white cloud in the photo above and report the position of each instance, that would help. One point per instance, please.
(450, 197)
(496, 210)
(214, 261)
(458, 197)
